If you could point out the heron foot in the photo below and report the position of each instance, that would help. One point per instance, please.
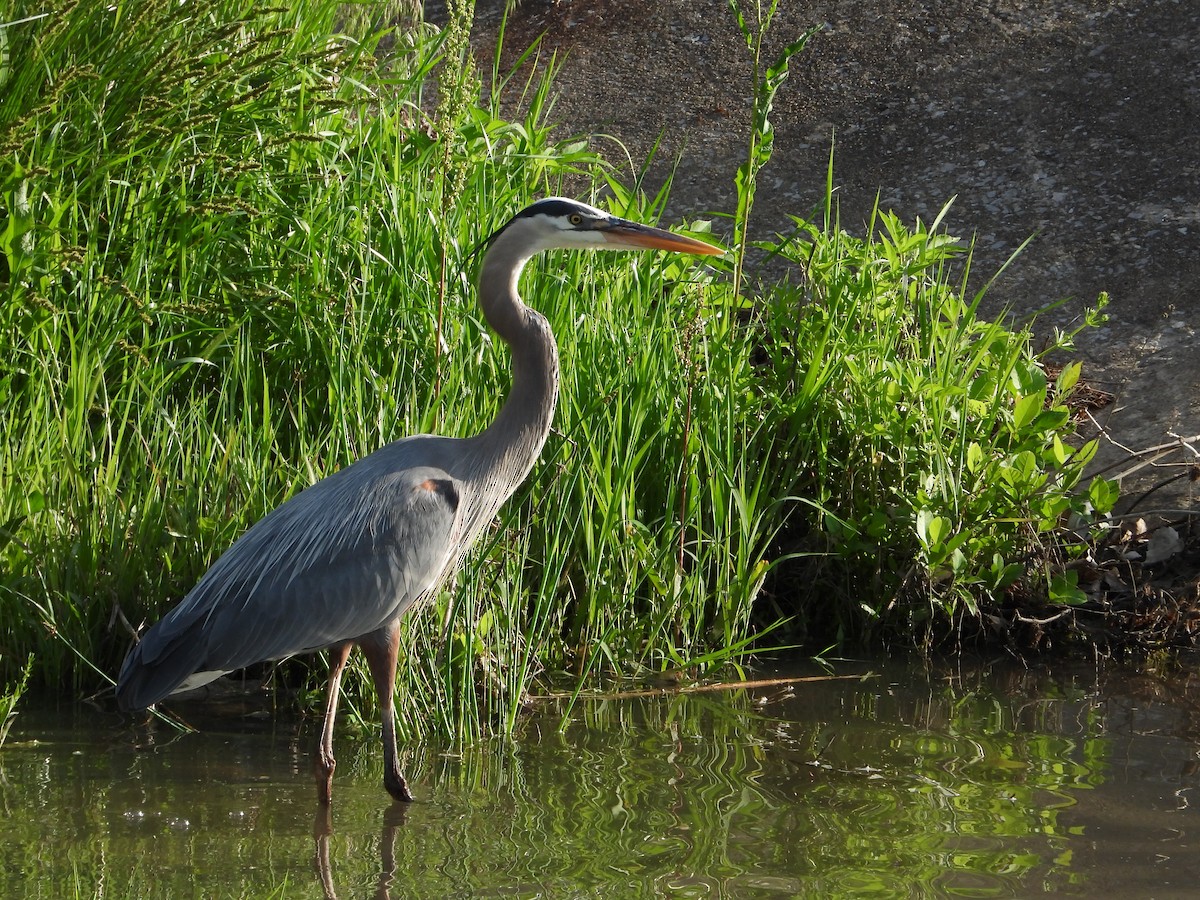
(323, 767)
(398, 787)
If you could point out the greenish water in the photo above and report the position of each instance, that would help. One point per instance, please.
(994, 782)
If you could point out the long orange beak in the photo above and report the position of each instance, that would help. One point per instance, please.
(622, 233)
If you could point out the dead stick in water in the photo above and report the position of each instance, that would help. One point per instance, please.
(701, 688)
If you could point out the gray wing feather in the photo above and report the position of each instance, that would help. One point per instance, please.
(334, 563)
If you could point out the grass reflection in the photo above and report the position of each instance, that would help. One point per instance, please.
(835, 789)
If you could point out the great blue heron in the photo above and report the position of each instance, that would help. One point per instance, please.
(339, 563)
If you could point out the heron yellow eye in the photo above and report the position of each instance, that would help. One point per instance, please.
(576, 219)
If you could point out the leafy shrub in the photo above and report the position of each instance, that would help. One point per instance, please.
(930, 443)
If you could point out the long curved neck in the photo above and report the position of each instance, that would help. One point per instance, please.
(507, 449)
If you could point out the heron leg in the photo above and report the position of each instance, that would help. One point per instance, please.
(381, 648)
(324, 762)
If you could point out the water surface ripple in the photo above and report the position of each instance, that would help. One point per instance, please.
(989, 782)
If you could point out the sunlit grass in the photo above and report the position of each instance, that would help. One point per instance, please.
(935, 474)
(254, 297)
(235, 251)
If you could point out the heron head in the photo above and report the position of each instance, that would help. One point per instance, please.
(560, 223)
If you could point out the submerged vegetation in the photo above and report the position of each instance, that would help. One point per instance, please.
(235, 256)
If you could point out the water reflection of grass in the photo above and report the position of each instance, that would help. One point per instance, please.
(955, 793)
(843, 789)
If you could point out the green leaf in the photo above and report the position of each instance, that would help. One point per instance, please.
(1051, 420)
(1027, 407)
(974, 457)
(1069, 376)
(1086, 453)
(1060, 452)
(747, 33)
(932, 529)
(1028, 378)
(1064, 589)
(1102, 494)
(1004, 574)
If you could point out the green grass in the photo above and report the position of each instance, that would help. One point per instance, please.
(936, 473)
(11, 695)
(235, 258)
